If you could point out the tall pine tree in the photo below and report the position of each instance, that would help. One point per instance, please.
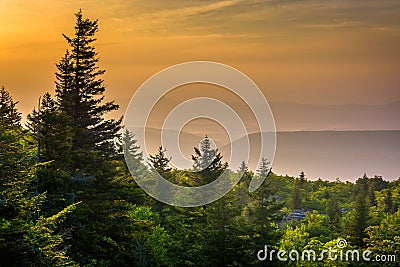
(76, 135)
(79, 92)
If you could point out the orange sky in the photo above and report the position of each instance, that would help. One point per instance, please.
(326, 52)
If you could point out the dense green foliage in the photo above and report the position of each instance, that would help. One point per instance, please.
(27, 238)
(78, 204)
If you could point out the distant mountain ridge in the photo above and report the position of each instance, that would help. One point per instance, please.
(320, 154)
(310, 117)
(314, 117)
(334, 154)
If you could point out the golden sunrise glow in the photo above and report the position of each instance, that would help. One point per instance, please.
(326, 52)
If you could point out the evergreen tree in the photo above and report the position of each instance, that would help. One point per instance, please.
(133, 155)
(55, 133)
(204, 156)
(263, 212)
(303, 191)
(85, 152)
(302, 179)
(264, 169)
(208, 161)
(65, 83)
(160, 161)
(10, 117)
(27, 238)
(79, 92)
(243, 167)
(295, 202)
(225, 233)
(246, 176)
(359, 220)
(54, 144)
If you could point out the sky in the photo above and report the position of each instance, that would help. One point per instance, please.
(317, 52)
(321, 64)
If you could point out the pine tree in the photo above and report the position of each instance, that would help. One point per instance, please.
(65, 83)
(160, 161)
(243, 167)
(246, 177)
(55, 133)
(204, 156)
(208, 161)
(132, 154)
(225, 232)
(55, 142)
(264, 169)
(79, 93)
(302, 179)
(360, 217)
(85, 152)
(10, 117)
(27, 238)
(263, 211)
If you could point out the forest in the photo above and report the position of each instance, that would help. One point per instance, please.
(74, 202)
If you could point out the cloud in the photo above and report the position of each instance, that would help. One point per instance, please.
(255, 17)
(331, 25)
(200, 9)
